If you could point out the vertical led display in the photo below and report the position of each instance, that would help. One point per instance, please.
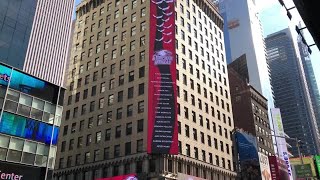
(278, 167)
(264, 167)
(162, 101)
(281, 142)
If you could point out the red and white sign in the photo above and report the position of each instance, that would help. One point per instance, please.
(123, 177)
(162, 96)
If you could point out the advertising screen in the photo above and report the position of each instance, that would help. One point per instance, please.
(28, 128)
(306, 160)
(162, 96)
(33, 86)
(278, 168)
(264, 167)
(124, 177)
(281, 142)
(248, 156)
(303, 171)
(5, 73)
(20, 172)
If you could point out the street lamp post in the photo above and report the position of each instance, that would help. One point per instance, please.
(294, 139)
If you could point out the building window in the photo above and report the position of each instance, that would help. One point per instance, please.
(141, 89)
(92, 106)
(141, 107)
(129, 129)
(98, 137)
(106, 153)
(101, 103)
(118, 132)
(140, 126)
(128, 148)
(140, 145)
(119, 113)
(116, 151)
(130, 92)
(87, 157)
(131, 76)
(108, 135)
(110, 99)
(129, 110)
(141, 72)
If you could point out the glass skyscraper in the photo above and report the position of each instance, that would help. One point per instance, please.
(243, 35)
(16, 19)
(292, 96)
(311, 79)
(34, 36)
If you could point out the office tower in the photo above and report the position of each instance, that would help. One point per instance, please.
(30, 111)
(307, 11)
(107, 106)
(34, 36)
(243, 35)
(311, 79)
(291, 92)
(245, 98)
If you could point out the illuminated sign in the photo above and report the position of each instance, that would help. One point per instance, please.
(306, 160)
(11, 171)
(281, 142)
(278, 168)
(124, 177)
(33, 86)
(28, 128)
(264, 167)
(5, 77)
(162, 96)
(28, 84)
(5, 73)
(303, 171)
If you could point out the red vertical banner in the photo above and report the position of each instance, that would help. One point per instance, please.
(162, 96)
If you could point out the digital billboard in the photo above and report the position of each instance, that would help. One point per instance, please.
(264, 167)
(306, 160)
(123, 177)
(20, 172)
(303, 170)
(28, 84)
(248, 155)
(278, 168)
(162, 96)
(33, 86)
(28, 128)
(280, 142)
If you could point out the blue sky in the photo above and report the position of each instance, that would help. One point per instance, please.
(273, 18)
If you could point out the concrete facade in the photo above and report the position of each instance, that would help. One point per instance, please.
(105, 120)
